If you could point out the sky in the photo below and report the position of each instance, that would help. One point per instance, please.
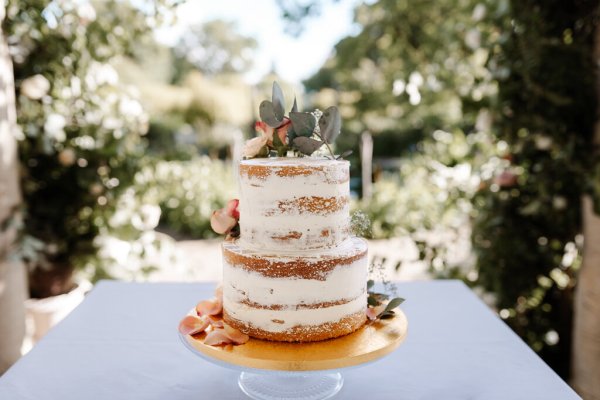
(294, 59)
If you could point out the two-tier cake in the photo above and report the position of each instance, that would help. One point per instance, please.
(295, 273)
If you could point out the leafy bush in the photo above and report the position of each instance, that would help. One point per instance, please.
(80, 140)
(429, 199)
(187, 192)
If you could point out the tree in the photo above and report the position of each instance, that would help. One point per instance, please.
(586, 327)
(13, 283)
(81, 140)
(529, 62)
(213, 48)
(414, 67)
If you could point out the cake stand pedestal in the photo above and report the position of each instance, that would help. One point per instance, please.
(307, 371)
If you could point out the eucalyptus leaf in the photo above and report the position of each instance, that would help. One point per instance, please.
(306, 145)
(370, 284)
(330, 124)
(263, 152)
(372, 302)
(304, 123)
(386, 315)
(395, 302)
(278, 102)
(294, 106)
(267, 114)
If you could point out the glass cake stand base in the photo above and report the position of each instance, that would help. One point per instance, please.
(288, 386)
(307, 371)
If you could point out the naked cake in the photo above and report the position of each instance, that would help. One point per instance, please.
(295, 273)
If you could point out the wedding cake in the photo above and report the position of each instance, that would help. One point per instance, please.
(295, 273)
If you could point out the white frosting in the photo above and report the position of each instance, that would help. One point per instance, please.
(343, 283)
(264, 225)
(264, 318)
(285, 230)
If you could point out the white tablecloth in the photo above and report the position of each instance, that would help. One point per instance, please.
(122, 343)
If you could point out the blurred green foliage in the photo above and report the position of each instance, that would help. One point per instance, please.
(81, 132)
(528, 224)
(414, 67)
(187, 192)
(519, 76)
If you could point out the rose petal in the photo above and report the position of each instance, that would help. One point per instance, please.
(235, 335)
(217, 337)
(232, 208)
(191, 325)
(264, 130)
(253, 146)
(216, 322)
(209, 307)
(283, 130)
(373, 312)
(222, 223)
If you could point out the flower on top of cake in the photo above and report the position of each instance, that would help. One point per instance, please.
(209, 319)
(301, 133)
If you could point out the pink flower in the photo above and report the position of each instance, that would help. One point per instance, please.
(222, 221)
(373, 312)
(253, 146)
(232, 208)
(283, 130)
(265, 130)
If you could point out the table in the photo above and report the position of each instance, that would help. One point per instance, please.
(122, 343)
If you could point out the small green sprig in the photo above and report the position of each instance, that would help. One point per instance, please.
(375, 299)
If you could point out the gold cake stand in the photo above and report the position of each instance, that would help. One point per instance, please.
(279, 370)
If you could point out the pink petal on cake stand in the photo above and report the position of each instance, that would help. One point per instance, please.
(209, 307)
(217, 337)
(191, 325)
(236, 336)
(215, 322)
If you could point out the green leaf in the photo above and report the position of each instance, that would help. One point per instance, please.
(294, 106)
(278, 102)
(372, 301)
(279, 146)
(395, 302)
(330, 124)
(304, 123)
(306, 145)
(370, 284)
(267, 114)
(386, 315)
(264, 152)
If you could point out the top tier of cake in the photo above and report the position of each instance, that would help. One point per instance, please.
(294, 204)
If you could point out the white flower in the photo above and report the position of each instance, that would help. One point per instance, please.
(86, 12)
(130, 108)
(543, 142)
(147, 218)
(253, 146)
(35, 87)
(54, 127)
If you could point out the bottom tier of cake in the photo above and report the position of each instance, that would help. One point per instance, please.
(304, 297)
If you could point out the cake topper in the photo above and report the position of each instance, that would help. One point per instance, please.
(301, 132)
